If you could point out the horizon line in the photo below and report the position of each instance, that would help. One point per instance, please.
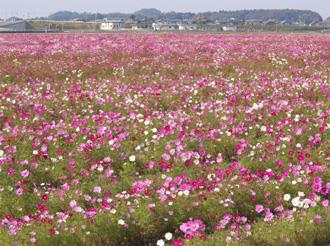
(28, 14)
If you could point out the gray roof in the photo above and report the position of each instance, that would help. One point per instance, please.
(112, 21)
(10, 23)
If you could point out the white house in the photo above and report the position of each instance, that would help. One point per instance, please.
(229, 28)
(187, 27)
(113, 25)
(164, 27)
(138, 27)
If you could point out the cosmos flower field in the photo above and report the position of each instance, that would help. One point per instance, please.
(165, 139)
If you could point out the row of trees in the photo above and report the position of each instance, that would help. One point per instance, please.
(288, 15)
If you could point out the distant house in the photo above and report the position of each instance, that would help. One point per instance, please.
(285, 22)
(315, 23)
(270, 22)
(210, 27)
(187, 27)
(229, 28)
(139, 26)
(14, 26)
(297, 23)
(327, 22)
(164, 27)
(254, 21)
(13, 19)
(226, 20)
(111, 25)
(136, 27)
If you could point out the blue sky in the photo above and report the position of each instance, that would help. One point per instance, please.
(30, 8)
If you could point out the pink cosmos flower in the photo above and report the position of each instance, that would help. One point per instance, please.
(298, 131)
(91, 213)
(149, 165)
(73, 203)
(269, 216)
(34, 165)
(259, 208)
(11, 171)
(19, 192)
(192, 228)
(25, 173)
(166, 157)
(317, 187)
(97, 189)
(317, 218)
(219, 159)
(279, 208)
(325, 190)
(325, 203)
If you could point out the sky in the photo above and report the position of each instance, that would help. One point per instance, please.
(33, 8)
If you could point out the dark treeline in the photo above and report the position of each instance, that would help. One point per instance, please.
(288, 15)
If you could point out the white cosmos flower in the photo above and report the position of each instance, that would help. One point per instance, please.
(121, 222)
(301, 194)
(263, 128)
(160, 242)
(296, 202)
(168, 236)
(154, 130)
(186, 192)
(287, 197)
(132, 158)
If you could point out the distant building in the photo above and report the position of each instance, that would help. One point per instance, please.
(187, 27)
(14, 26)
(297, 23)
(285, 22)
(327, 22)
(111, 25)
(226, 20)
(316, 23)
(229, 28)
(13, 19)
(271, 22)
(136, 27)
(164, 27)
(139, 26)
(253, 21)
